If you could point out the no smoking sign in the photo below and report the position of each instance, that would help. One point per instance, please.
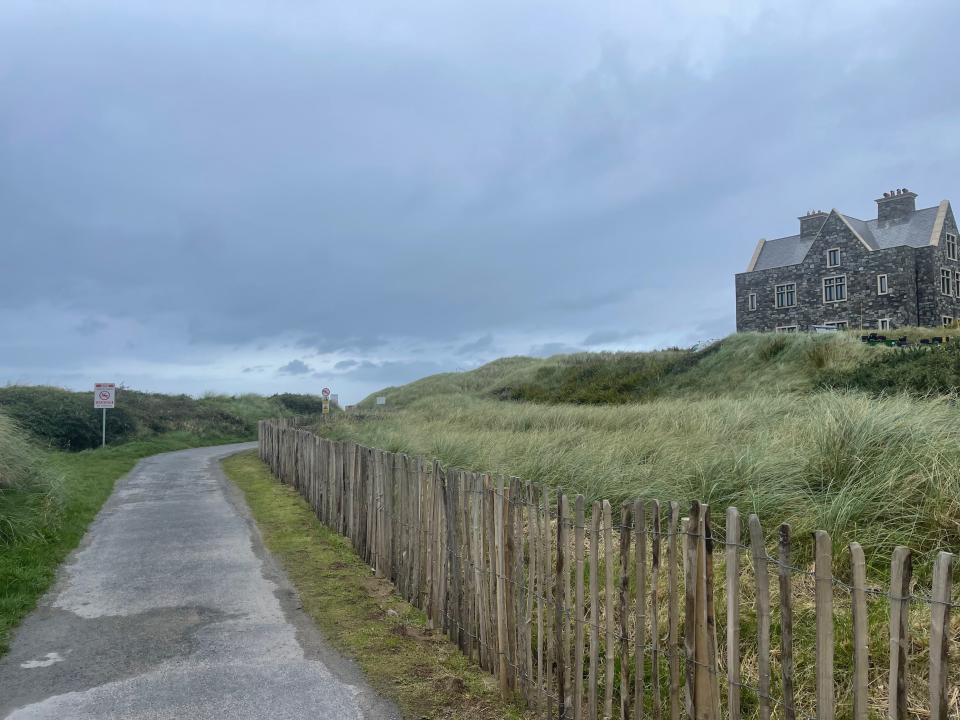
(104, 396)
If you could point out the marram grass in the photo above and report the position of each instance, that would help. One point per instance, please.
(882, 471)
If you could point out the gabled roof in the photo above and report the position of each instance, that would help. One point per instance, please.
(914, 231)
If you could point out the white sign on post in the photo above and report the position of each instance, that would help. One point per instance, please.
(325, 392)
(381, 400)
(104, 395)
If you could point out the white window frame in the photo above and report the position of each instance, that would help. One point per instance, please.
(946, 274)
(946, 320)
(951, 242)
(823, 286)
(787, 328)
(956, 283)
(829, 253)
(883, 284)
(776, 293)
(884, 324)
(752, 302)
(836, 324)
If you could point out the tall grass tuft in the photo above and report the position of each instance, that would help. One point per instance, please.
(30, 493)
(883, 471)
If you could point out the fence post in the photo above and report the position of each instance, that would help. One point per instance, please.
(940, 634)
(611, 645)
(762, 579)
(640, 564)
(578, 532)
(732, 554)
(594, 611)
(901, 570)
(502, 669)
(861, 636)
(673, 610)
(786, 623)
(823, 578)
(559, 607)
(625, 519)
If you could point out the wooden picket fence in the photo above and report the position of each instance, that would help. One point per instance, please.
(511, 573)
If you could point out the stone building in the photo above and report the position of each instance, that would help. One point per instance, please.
(900, 269)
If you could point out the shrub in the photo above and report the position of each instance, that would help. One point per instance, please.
(29, 493)
(918, 370)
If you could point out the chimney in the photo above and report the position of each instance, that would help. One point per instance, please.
(811, 223)
(896, 206)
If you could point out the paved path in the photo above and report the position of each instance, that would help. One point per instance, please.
(171, 608)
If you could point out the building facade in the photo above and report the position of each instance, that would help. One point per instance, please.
(901, 268)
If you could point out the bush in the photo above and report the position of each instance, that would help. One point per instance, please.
(917, 370)
(67, 420)
(29, 493)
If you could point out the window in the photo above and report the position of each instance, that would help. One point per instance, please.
(945, 278)
(947, 320)
(786, 295)
(833, 257)
(786, 328)
(884, 324)
(956, 283)
(882, 287)
(951, 246)
(835, 288)
(838, 324)
(752, 301)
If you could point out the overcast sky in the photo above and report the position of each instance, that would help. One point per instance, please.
(276, 195)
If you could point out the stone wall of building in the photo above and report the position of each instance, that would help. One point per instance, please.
(863, 307)
(933, 304)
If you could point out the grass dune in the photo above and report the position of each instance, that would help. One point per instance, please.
(883, 471)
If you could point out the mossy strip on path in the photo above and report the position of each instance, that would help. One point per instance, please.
(360, 614)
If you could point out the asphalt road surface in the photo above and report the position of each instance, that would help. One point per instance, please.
(172, 608)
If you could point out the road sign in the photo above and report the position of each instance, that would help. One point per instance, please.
(104, 396)
(325, 392)
(381, 400)
(326, 406)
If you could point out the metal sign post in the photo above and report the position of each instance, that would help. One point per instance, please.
(104, 397)
(326, 401)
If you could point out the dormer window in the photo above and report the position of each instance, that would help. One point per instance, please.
(833, 257)
(951, 246)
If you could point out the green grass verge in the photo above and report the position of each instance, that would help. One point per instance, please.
(83, 481)
(360, 614)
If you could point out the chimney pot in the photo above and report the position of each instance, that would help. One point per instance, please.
(896, 206)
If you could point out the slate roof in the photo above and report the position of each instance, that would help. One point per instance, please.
(914, 231)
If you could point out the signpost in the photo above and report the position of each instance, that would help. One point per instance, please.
(104, 397)
(326, 400)
(381, 400)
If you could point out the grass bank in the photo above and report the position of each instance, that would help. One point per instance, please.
(360, 614)
(880, 470)
(741, 365)
(48, 508)
(66, 420)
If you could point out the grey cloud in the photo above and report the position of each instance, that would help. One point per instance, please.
(346, 364)
(329, 185)
(295, 367)
(91, 326)
(553, 348)
(254, 369)
(485, 342)
(605, 337)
